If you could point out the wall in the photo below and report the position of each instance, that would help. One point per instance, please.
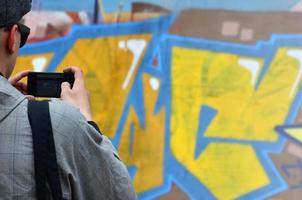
(201, 104)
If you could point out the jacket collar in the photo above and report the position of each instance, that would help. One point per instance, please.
(10, 98)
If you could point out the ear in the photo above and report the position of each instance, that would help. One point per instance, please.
(13, 42)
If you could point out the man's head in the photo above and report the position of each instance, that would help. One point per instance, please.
(13, 34)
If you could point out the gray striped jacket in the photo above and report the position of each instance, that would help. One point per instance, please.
(87, 160)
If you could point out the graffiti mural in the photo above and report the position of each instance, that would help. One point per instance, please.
(201, 104)
(205, 113)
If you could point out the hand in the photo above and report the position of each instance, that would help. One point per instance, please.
(78, 96)
(22, 87)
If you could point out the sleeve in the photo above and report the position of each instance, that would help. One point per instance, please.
(92, 123)
(101, 168)
(90, 163)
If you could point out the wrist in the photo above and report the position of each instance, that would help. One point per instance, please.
(87, 115)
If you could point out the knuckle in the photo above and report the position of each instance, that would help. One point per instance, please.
(77, 69)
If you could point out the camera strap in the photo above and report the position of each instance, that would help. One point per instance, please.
(45, 160)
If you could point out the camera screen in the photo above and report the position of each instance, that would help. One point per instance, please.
(49, 86)
(45, 84)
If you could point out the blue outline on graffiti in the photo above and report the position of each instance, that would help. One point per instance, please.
(61, 47)
(283, 131)
(266, 51)
(174, 5)
(173, 170)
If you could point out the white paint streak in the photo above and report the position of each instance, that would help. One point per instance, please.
(137, 48)
(39, 64)
(84, 17)
(297, 54)
(253, 66)
(122, 45)
(154, 82)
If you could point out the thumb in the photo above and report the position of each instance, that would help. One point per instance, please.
(65, 87)
(30, 97)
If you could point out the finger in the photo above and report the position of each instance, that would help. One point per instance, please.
(19, 76)
(30, 97)
(78, 73)
(65, 86)
(65, 89)
(22, 86)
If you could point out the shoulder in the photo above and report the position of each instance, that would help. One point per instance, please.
(70, 126)
(60, 110)
(66, 120)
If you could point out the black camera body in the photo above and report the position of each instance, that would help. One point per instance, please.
(42, 84)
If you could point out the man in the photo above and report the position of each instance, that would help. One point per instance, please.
(88, 164)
